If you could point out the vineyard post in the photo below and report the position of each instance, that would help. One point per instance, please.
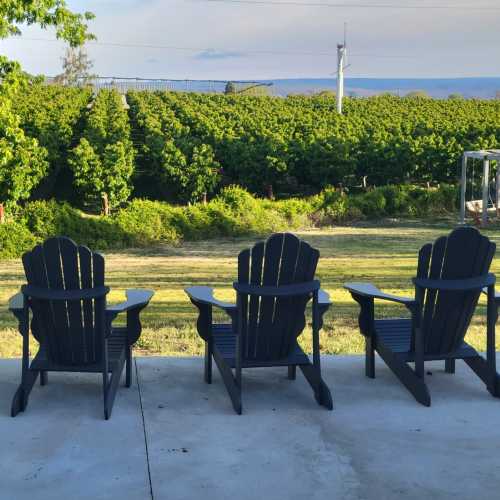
(463, 185)
(497, 189)
(486, 184)
(105, 204)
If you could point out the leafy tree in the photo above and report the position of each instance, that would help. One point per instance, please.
(69, 26)
(230, 88)
(76, 68)
(22, 162)
(176, 163)
(103, 161)
(53, 114)
(422, 94)
(202, 173)
(455, 96)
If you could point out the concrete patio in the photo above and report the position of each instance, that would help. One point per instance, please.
(173, 437)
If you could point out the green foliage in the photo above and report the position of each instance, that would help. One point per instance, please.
(15, 239)
(146, 222)
(371, 204)
(173, 161)
(52, 114)
(49, 218)
(234, 212)
(22, 161)
(300, 145)
(69, 26)
(187, 144)
(103, 161)
(230, 88)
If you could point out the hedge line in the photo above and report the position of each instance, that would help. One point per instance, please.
(234, 212)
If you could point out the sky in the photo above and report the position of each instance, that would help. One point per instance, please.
(204, 39)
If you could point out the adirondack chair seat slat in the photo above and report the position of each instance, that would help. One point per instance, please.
(117, 344)
(451, 274)
(226, 345)
(397, 336)
(275, 284)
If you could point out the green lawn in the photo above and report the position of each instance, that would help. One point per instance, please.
(384, 254)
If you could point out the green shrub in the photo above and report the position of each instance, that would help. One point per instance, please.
(15, 239)
(370, 204)
(235, 212)
(144, 222)
(296, 212)
(396, 199)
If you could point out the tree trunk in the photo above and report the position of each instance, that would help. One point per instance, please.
(269, 191)
(204, 198)
(105, 204)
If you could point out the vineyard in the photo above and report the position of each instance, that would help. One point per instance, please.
(164, 166)
(180, 147)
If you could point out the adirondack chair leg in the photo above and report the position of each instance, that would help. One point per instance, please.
(112, 387)
(369, 357)
(20, 399)
(128, 366)
(406, 375)
(449, 366)
(486, 373)
(233, 389)
(322, 393)
(208, 361)
(292, 372)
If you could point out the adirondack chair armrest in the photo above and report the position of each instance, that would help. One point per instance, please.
(205, 295)
(16, 302)
(278, 291)
(463, 285)
(370, 291)
(136, 298)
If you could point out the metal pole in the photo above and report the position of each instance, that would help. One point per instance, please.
(497, 189)
(486, 179)
(463, 187)
(340, 76)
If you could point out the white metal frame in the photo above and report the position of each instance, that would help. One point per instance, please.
(486, 156)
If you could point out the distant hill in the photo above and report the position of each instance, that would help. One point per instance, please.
(485, 88)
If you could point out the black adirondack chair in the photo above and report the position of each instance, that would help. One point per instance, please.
(66, 295)
(451, 274)
(275, 284)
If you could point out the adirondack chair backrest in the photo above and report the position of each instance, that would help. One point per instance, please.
(70, 331)
(271, 325)
(464, 253)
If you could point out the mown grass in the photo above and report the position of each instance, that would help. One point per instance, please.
(384, 254)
